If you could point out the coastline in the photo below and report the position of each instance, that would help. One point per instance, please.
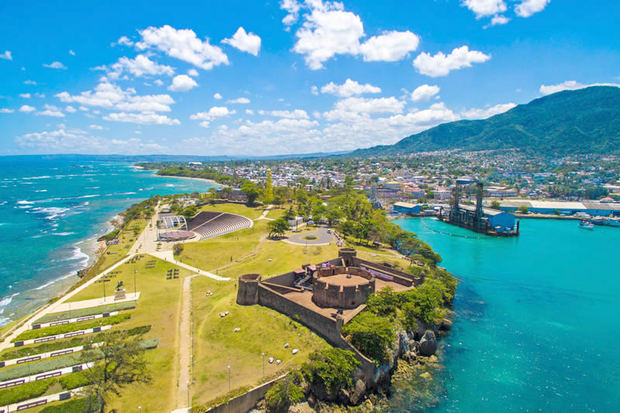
(211, 181)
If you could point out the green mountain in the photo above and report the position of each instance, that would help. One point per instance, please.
(568, 122)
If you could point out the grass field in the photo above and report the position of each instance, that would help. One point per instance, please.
(159, 305)
(238, 209)
(216, 345)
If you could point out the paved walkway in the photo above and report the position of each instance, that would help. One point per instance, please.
(95, 302)
(264, 214)
(321, 234)
(185, 345)
(169, 257)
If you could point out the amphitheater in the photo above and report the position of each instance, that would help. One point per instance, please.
(206, 224)
(210, 224)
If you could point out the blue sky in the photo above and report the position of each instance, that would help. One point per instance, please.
(277, 77)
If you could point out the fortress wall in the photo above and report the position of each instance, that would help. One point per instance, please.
(324, 326)
(399, 276)
(282, 289)
(286, 279)
(247, 294)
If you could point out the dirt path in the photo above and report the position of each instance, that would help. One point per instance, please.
(185, 346)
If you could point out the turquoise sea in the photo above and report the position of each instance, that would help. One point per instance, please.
(537, 325)
(52, 209)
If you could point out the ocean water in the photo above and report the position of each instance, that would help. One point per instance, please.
(52, 209)
(537, 324)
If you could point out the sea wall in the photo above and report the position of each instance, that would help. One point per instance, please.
(246, 401)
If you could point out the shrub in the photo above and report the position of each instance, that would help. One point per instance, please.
(384, 303)
(81, 405)
(73, 381)
(331, 369)
(371, 334)
(25, 391)
(60, 362)
(424, 303)
(282, 395)
(68, 328)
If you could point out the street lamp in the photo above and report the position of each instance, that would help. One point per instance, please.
(263, 365)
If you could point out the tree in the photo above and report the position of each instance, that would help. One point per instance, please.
(277, 228)
(122, 363)
(330, 369)
(177, 249)
(495, 204)
(251, 191)
(284, 393)
(371, 334)
(424, 303)
(522, 210)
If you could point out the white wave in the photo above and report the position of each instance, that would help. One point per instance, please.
(55, 280)
(78, 254)
(7, 300)
(40, 190)
(51, 212)
(63, 234)
(24, 202)
(37, 177)
(3, 203)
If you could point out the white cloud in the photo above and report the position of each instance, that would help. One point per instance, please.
(370, 105)
(110, 96)
(192, 72)
(29, 82)
(424, 92)
(6, 110)
(498, 20)
(182, 44)
(217, 96)
(287, 114)
(182, 83)
(124, 40)
(487, 112)
(25, 95)
(55, 65)
(441, 64)
(570, 85)
(292, 7)
(389, 46)
(528, 7)
(484, 8)
(51, 110)
(314, 90)
(64, 140)
(246, 42)
(6, 55)
(327, 31)
(213, 113)
(96, 127)
(349, 88)
(26, 109)
(241, 101)
(142, 118)
(141, 65)
(249, 112)
(70, 109)
(71, 52)
(158, 82)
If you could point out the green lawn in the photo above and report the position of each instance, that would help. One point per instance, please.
(238, 209)
(261, 330)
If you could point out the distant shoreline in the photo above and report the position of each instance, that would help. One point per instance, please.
(211, 181)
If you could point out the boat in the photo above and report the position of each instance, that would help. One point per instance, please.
(606, 221)
(586, 225)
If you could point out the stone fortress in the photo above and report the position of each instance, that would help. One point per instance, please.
(326, 296)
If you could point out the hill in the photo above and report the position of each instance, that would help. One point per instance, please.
(567, 122)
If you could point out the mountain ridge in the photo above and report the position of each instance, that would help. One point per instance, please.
(568, 122)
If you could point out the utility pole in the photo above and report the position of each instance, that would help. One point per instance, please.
(263, 365)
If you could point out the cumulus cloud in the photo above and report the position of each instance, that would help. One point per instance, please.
(389, 46)
(424, 92)
(25, 95)
(239, 101)
(328, 30)
(141, 65)
(212, 114)
(71, 52)
(487, 112)
(26, 109)
(6, 55)
(142, 118)
(484, 8)
(349, 88)
(192, 72)
(569, 85)
(51, 110)
(292, 8)
(55, 65)
(29, 82)
(356, 105)
(182, 44)
(246, 42)
(63, 140)
(125, 41)
(6, 110)
(182, 83)
(111, 96)
(217, 96)
(498, 20)
(70, 109)
(441, 64)
(96, 127)
(287, 114)
(529, 7)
